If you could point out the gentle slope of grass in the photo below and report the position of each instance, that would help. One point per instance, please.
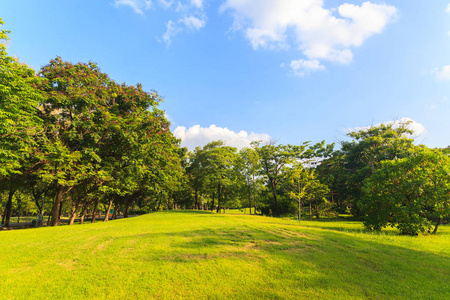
(201, 255)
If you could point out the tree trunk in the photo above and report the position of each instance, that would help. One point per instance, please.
(317, 212)
(18, 209)
(196, 199)
(94, 212)
(109, 208)
(439, 221)
(310, 211)
(73, 213)
(218, 198)
(116, 209)
(299, 210)
(56, 205)
(127, 207)
(83, 214)
(274, 192)
(249, 199)
(8, 207)
(60, 211)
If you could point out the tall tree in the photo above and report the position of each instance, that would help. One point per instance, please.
(248, 166)
(409, 193)
(20, 128)
(274, 158)
(349, 167)
(302, 184)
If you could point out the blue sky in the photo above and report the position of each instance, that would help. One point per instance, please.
(239, 70)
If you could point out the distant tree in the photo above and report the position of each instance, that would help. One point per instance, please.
(274, 158)
(409, 193)
(302, 184)
(248, 167)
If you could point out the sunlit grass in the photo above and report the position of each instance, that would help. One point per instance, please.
(199, 255)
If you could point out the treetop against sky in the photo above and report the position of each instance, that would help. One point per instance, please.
(243, 70)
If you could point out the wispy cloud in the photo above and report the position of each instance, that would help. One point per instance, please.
(137, 5)
(443, 74)
(191, 18)
(190, 12)
(186, 23)
(318, 33)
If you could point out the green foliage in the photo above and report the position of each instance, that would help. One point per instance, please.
(409, 193)
(247, 166)
(274, 158)
(211, 173)
(348, 168)
(302, 185)
(19, 125)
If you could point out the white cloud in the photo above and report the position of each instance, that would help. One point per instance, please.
(187, 23)
(200, 136)
(418, 128)
(172, 30)
(166, 3)
(193, 23)
(190, 12)
(302, 67)
(137, 5)
(447, 10)
(197, 3)
(318, 33)
(443, 74)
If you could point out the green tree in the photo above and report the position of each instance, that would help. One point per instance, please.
(211, 172)
(348, 168)
(20, 128)
(109, 137)
(302, 184)
(409, 193)
(274, 158)
(248, 167)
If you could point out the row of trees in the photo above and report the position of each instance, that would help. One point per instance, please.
(382, 177)
(264, 177)
(75, 137)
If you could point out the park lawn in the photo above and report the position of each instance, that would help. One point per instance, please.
(199, 255)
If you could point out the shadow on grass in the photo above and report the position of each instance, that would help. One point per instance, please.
(326, 261)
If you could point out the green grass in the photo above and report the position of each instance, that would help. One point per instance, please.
(198, 255)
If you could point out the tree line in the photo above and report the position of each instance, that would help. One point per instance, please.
(85, 143)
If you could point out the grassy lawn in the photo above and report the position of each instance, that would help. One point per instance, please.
(196, 255)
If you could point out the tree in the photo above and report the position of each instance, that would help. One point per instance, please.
(302, 184)
(409, 193)
(20, 128)
(348, 168)
(274, 158)
(248, 166)
(109, 137)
